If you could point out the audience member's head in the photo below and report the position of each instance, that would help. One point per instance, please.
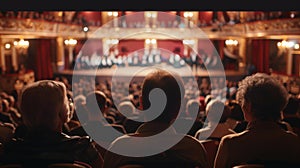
(96, 101)
(292, 106)
(4, 106)
(127, 108)
(261, 97)
(213, 110)
(44, 106)
(236, 111)
(172, 86)
(192, 106)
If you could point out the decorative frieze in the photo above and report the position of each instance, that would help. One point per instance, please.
(52, 29)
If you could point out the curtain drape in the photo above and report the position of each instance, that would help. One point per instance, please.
(43, 67)
(260, 54)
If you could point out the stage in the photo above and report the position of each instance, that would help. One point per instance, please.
(139, 72)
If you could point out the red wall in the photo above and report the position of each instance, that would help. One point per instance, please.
(91, 15)
(206, 45)
(171, 45)
(207, 16)
(166, 16)
(130, 45)
(90, 46)
(133, 17)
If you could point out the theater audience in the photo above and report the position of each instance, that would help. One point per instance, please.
(95, 126)
(192, 106)
(6, 132)
(291, 114)
(188, 151)
(129, 122)
(216, 127)
(44, 109)
(263, 142)
(236, 120)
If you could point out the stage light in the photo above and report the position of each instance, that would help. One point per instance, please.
(85, 29)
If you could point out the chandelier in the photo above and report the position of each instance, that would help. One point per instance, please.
(70, 42)
(21, 44)
(231, 42)
(288, 45)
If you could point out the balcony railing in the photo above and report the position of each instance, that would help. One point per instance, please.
(40, 28)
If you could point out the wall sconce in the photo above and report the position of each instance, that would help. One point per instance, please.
(7, 46)
(287, 45)
(115, 14)
(21, 44)
(231, 42)
(70, 42)
(151, 43)
(189, 16)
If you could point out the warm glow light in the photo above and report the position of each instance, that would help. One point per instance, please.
(185, 14)
(292, 15)
(21, 44)
(115, 14)
(188, 14)
(7, 46)
(287, 44)
(109, 13)
(70, 42)
(85, 29)
(153, 41)
(148, 41)
(231, 42)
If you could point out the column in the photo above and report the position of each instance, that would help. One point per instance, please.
(289, 61)
(60, 53)
(14, 59)
(106, 46)
(242, 52)
(70, 48)
(2, 56)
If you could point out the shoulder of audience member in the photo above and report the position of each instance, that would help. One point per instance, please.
(234, 136)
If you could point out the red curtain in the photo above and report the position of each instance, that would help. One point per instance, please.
(260, 54)
(220, 49)
(43, 67)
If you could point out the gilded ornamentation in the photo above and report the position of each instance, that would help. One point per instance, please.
(278, 26)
